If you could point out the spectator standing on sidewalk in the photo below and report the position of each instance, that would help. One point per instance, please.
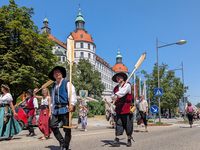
(190, 113)
(80, 114)
(143, 112)
(84, 118)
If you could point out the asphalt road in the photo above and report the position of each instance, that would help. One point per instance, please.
(175, 137)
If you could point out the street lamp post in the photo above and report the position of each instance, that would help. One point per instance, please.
(179, 43)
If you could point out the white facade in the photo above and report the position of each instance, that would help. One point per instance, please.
(86, 50)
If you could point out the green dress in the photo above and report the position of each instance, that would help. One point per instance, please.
(12, 127)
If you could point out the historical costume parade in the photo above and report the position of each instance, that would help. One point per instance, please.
(45, 113)
(122, 95)
(60, 105)
(31, 104)
(8, 125)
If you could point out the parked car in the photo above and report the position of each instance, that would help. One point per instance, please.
(22, 117)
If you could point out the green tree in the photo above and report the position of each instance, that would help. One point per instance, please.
(86, 78)
(171, 85)
(25, 55)
(198, 105)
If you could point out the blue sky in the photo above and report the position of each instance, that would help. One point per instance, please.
(133, 26)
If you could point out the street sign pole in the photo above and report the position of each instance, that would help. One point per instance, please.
(159, 92)
(154, 109)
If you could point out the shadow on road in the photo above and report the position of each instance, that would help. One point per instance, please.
(184, 127)
(5, 139)
(52, 147)
(108, 141)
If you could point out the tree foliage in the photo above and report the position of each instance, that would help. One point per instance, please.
(198, 105)
(86, 78)
(25, 55)
(171, 85)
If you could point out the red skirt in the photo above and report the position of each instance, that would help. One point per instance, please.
(44, 122)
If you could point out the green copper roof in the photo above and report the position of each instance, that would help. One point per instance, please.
(79, 17)
(119, 55)
(59, 52)
(45, 20)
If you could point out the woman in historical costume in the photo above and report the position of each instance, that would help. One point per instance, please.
(8, 125)
(44, 119)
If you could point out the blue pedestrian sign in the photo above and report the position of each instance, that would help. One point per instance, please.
(158, 92)
(154, 109)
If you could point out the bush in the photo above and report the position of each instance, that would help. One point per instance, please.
(74, 115)
(96, 108)
(159, 122)
(90, 115)
(150, 121)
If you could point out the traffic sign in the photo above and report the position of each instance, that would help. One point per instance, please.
(154, 109)
(158, 92)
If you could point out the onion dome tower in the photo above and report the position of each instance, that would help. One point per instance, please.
(46, 29)
(119, 66)
(84, 46)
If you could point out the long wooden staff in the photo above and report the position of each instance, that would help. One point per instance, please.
(70, 57)
(137, 65)
(45, 85)
(20, 103)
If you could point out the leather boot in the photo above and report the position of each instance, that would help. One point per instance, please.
(62, 144)
(66, 148)
(129, 143)
(115, 143)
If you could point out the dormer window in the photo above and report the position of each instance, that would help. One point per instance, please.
(81, 35)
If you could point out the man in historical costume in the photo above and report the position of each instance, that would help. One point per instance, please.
(143, 112)
(32, 106)
(122, 94)
(60, 103)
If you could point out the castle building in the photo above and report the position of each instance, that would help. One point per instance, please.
(84, 47)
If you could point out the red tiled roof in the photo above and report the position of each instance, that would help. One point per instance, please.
(58, 41)
(85, 36)
(120, 68)
(102, 61)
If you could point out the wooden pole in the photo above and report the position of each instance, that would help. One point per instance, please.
(70, 90)
(137, 65)
(70, 57)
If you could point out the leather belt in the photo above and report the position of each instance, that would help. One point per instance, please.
(4, 105)
(61, 105)
(122, 103)
(142, 111)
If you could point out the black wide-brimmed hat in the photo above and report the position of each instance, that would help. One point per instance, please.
(30, 91)
(62, 70)
(122, 74)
